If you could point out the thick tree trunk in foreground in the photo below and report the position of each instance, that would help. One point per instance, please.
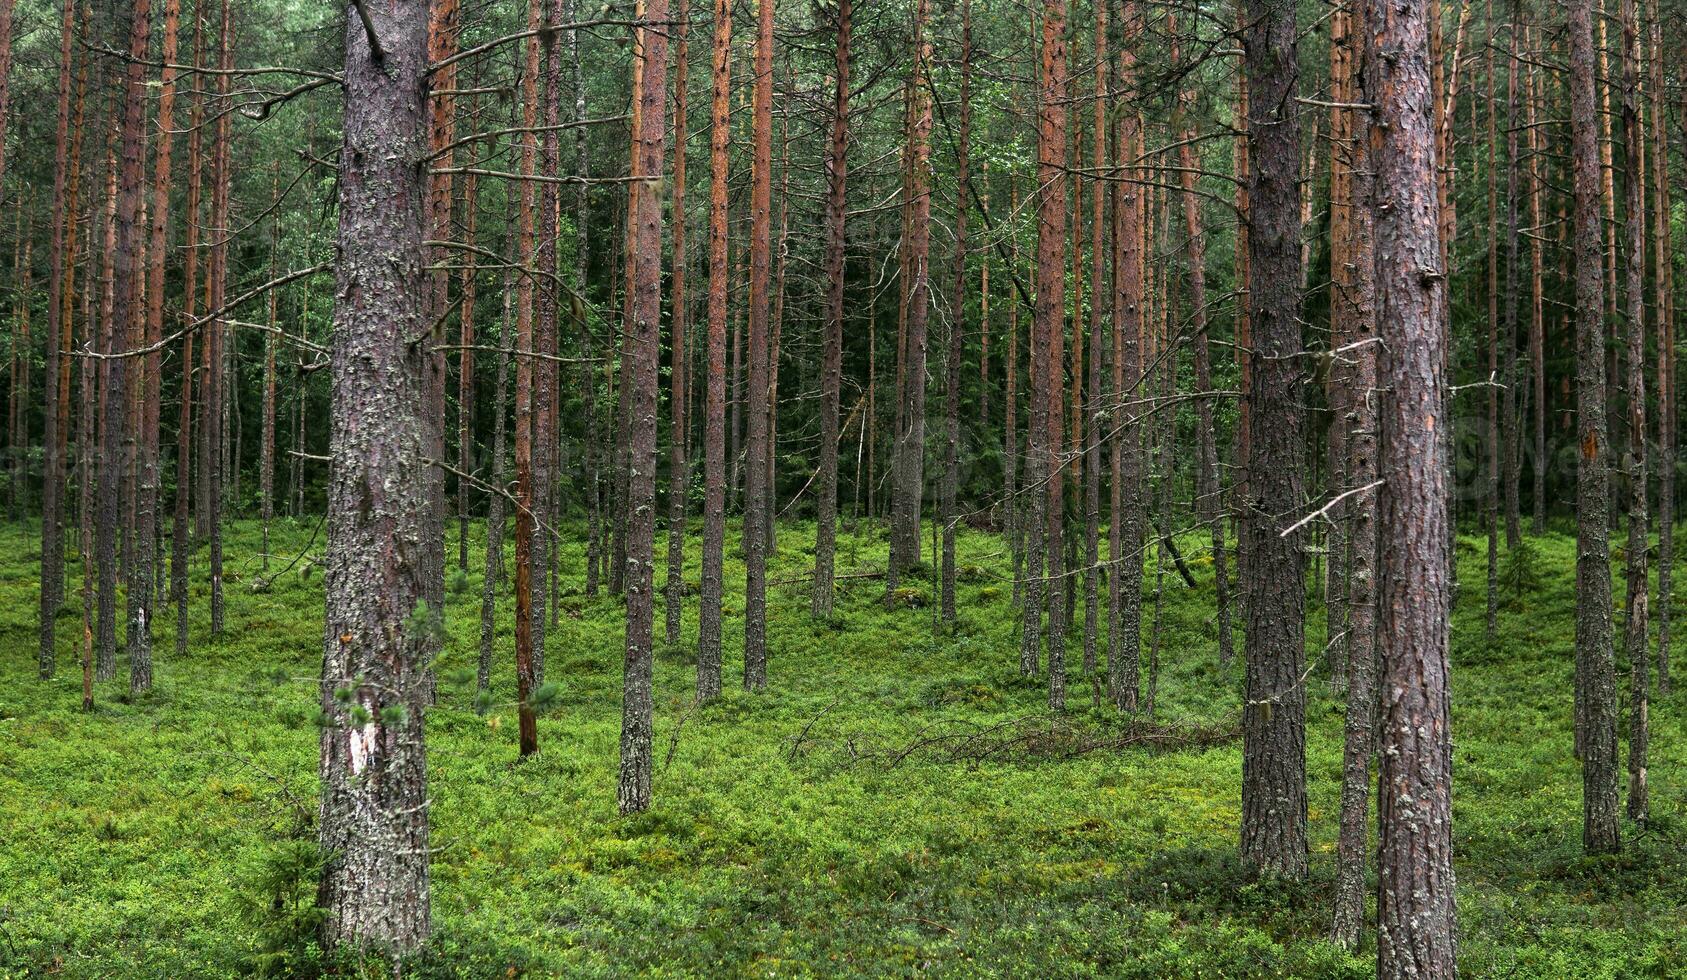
(1274, 714)
(633, 792)
(1414, 796)
(831, 368)
(1595, 669)
(374, 811)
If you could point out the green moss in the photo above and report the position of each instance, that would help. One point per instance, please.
(170, 836)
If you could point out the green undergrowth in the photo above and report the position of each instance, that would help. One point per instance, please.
(897, 802)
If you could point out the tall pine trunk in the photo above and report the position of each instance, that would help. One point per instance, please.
(831, 369)
(379, 627)
(1274, 713)
(756, 489)
(1595, 668)
(1635, 612)
(1414, 795)
(946, 515)
(908, 483)
(633, 791)
(714, 409)
(61, 268)
(1050, 331)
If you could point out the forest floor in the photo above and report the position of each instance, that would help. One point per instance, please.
(897, 802)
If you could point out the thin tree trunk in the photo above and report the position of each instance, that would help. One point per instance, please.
(679, 471)
(1663, 278)
(181, 552)
(831, 371)
(633, 791)
(374, 812)
(526, 494)
(946, 515)
(1639, 657)
(756, 352)
(212, 408)
(495, 505)
(1491, 485)
(543, 418)
(714, 409)
(1124, 601)
(62, 267)
(466, 373)
(266, 452)
(141, 596)
(1511, 406)
(1095, 416)
(1011, 458)
(1208, 487)
(1359, 436)
(443, 25)
(125, 329)
(1050, 314)
(1537, 322)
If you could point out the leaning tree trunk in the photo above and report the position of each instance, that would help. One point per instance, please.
(374, 810)
(1595, 668)
(1274, 715)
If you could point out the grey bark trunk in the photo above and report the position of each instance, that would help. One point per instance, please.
(379, 629)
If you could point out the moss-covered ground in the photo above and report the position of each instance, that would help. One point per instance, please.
(839, 824)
